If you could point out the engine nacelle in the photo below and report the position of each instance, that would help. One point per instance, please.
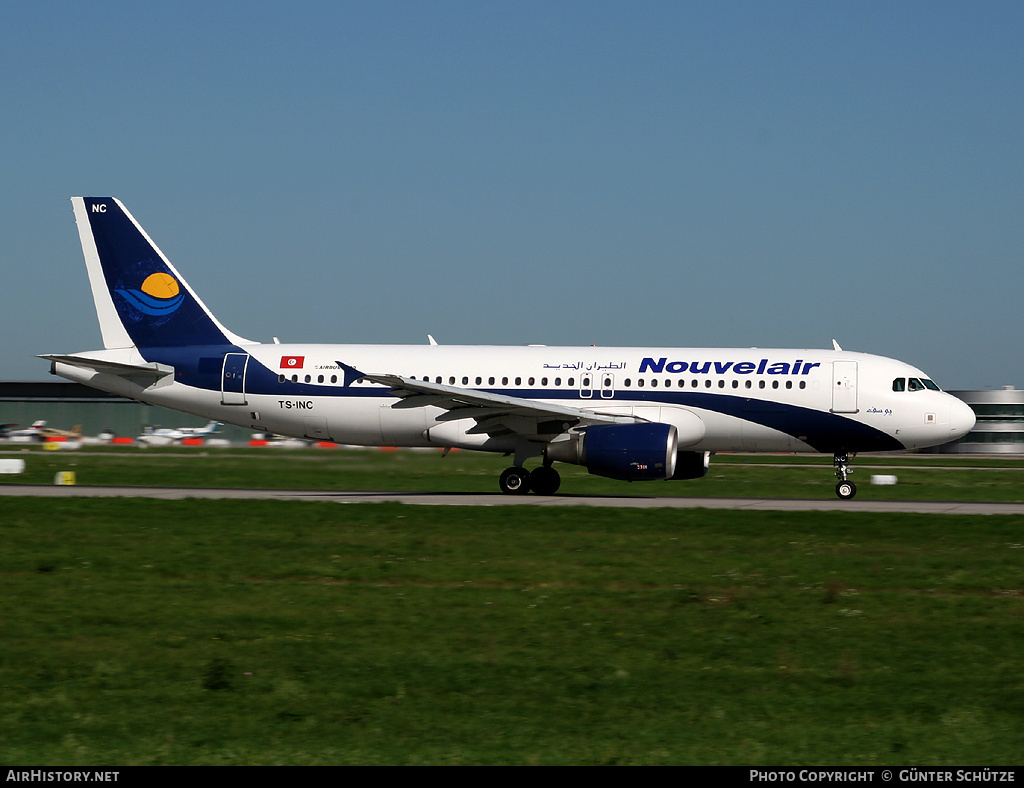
(628, 452)
(692, 464)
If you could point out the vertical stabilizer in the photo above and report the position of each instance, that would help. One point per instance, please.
(140, 298)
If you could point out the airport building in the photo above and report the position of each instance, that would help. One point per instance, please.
(1000, 412)
(1000, 426)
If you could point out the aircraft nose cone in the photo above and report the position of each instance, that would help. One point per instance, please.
(961, 418)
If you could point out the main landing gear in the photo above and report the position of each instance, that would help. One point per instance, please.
(845, 489)
(545, 479)
(519, 481)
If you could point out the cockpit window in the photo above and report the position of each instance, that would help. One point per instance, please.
(913, 384)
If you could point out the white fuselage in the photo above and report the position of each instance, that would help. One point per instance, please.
(719, 399)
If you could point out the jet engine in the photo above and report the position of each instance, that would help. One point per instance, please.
(629, 452)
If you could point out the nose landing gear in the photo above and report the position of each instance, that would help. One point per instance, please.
(844, 489)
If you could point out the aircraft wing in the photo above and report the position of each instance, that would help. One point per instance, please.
(495, 414)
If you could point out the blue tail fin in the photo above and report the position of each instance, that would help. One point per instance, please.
(141, 299)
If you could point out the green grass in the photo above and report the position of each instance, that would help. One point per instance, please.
(921, 477)
(261, 632)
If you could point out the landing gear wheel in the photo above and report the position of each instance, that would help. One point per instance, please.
(514, 481)
(846, 490)
(545, 480)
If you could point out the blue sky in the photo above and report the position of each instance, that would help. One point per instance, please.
(633, 173)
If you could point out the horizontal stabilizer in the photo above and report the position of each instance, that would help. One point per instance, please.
(151, 370)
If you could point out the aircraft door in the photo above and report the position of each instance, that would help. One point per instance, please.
(586, 385)
(233, 379)
(607, 385)
(844, 386)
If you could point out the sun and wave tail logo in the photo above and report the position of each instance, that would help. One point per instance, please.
(158, 296)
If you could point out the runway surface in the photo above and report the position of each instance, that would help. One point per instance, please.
(497, 499)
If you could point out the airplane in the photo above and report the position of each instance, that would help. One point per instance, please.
(52, 432)
(626, 413)
(29, 433)
(39, 431)
(165, 435)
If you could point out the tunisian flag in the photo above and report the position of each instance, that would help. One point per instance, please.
(292, 362)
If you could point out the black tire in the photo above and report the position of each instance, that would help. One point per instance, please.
(514, 481)
(545, 480)
(846, 490)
